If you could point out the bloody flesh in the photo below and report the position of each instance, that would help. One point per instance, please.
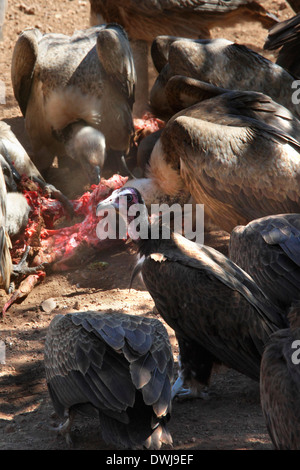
(53, 245)
(58, 247)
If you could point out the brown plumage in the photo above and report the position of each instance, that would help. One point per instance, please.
(76, 94)
(217, 311)
(146, 20)
(280, 385)
(221, 63)
(269, 250)
(115, 366)
(295, 4)
(235, 153)
(286, 35)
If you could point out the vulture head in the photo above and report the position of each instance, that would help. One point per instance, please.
(87, 146)
(129, 206)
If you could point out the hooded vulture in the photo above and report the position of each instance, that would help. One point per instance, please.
(218, 313)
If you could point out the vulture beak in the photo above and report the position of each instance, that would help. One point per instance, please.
(92, 171)
(108, 204)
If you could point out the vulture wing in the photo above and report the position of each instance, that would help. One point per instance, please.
(120, 364)
(269, 250)
(214, 304)
(22, 67)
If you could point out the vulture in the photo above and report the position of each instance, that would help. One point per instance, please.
(269, 250)
(76, 94)
(233, 152)
(280, 384)
(217, 311)
(144, 21)
(221, 63)
(113, 366)
(286, 36)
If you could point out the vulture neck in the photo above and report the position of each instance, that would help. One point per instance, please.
(163, 183)
(154, 235)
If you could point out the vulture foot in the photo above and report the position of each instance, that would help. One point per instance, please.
(179, 391)
(64, 429)
(23, 268)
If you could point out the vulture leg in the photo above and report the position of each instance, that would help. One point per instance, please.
(23, 268)
(64, 429)
(179, 391)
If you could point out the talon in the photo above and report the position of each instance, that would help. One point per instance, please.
(64, 429)
(23, 268)
(181, 392)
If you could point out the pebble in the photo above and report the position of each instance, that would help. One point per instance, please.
(48, 305)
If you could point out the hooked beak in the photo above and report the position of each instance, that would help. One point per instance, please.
(106, 205)
(92, 171)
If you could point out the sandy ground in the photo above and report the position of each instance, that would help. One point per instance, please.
(230, 419)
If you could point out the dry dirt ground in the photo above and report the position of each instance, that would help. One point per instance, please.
(230, 419)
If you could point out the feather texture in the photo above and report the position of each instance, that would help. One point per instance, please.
(109, 360)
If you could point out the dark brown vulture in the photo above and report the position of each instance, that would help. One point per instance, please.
(221, 63)
(234, 152)
(269, 250)
(115, 366)
(145, 20)
(218, 313)
(76, 94)
(280, 385)
(286, 36)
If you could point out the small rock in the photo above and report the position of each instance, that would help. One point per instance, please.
(76, 305)
(26, 10)
(48, 305)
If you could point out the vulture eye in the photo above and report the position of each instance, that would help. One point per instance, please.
(129, 197)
